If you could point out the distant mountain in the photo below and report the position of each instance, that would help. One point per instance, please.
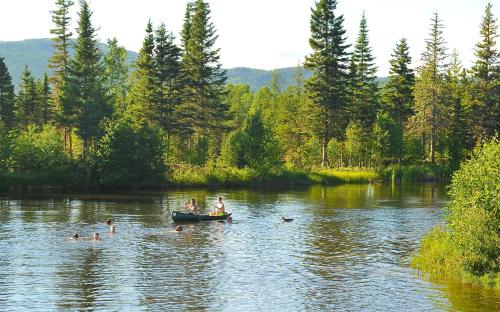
(36, 52)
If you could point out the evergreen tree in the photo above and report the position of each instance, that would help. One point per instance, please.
(204, 84)
(167, 91)
(363, 92)
(486, 73)
(7, 114)
(143, 80)
(59, 61)
(43, 100)
(398, 91)
(116, 74)
(26, 99)
(431, 109)
(86, 82)
(327, 88)
(458, 130)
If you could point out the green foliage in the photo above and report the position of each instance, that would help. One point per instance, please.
(387, 140)
(141, 97)
(472, 224)
(254, 146)
(355, 144)
(5, 148)
(84, 92)
(130, 156)
(38, 153)
(204, 78)
(26, 102)
(116, 75)
(327, 88)
(7, 115)
(398, 91)
(363, 87)
(486, 73)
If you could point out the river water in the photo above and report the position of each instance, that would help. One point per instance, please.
(348, 249)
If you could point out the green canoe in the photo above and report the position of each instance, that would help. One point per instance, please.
(178, 216)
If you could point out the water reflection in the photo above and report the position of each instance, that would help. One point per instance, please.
(347, 249)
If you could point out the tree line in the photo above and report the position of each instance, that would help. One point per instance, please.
(175, 107)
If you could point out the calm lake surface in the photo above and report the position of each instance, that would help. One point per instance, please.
(348, 249)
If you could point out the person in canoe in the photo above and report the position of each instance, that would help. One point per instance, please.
(192, 207)
(220, 207)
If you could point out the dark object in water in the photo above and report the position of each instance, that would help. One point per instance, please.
(178, 228)
(286, 219)
(178, 216)
(75, 236)
(109, 221)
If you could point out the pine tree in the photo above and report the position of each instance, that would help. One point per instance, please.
(143, 80)
(86, 82)
(363, 92)
(327, 88)
(116, 75)
(43, 100)
(26, 99)
(458, 129)
(486, 73)
(7, 114)
(61, 41)
(398, 91)
(431, 108)
(167, 92)
(204, 78)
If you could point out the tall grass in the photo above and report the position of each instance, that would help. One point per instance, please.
(228, 176)
(415, 173)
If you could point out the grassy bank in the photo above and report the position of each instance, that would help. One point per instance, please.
(194, 176)
(415, 173)
(225, 176)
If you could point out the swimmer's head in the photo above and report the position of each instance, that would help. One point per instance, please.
(113, 228)
(75, 236)
(178, 228)
(109, 221)
(96, 236)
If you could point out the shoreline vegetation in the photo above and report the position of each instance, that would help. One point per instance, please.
(466, 248)
(194, 176)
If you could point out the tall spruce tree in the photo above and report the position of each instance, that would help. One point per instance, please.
(486, 73)
(398, 96)
(431, 107)
(168, 79)
(204, 78)
(363, 92)
(7, 113)
(458, 129)
(327, 87)
(85, 86)
(141, 97)
(26, 101)
(43, 100)
(116, 75)
(59, 61)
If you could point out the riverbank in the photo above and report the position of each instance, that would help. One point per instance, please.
(76, 177)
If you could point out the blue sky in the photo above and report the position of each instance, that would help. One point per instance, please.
(266, 34)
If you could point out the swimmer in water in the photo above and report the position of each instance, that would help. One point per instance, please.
(96, 237)
(112, 229)
(178, 228)
(109, 221)
(74, 237)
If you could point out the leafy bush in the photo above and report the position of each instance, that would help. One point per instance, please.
(473, 224)
(38, 157)
(130, 155)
